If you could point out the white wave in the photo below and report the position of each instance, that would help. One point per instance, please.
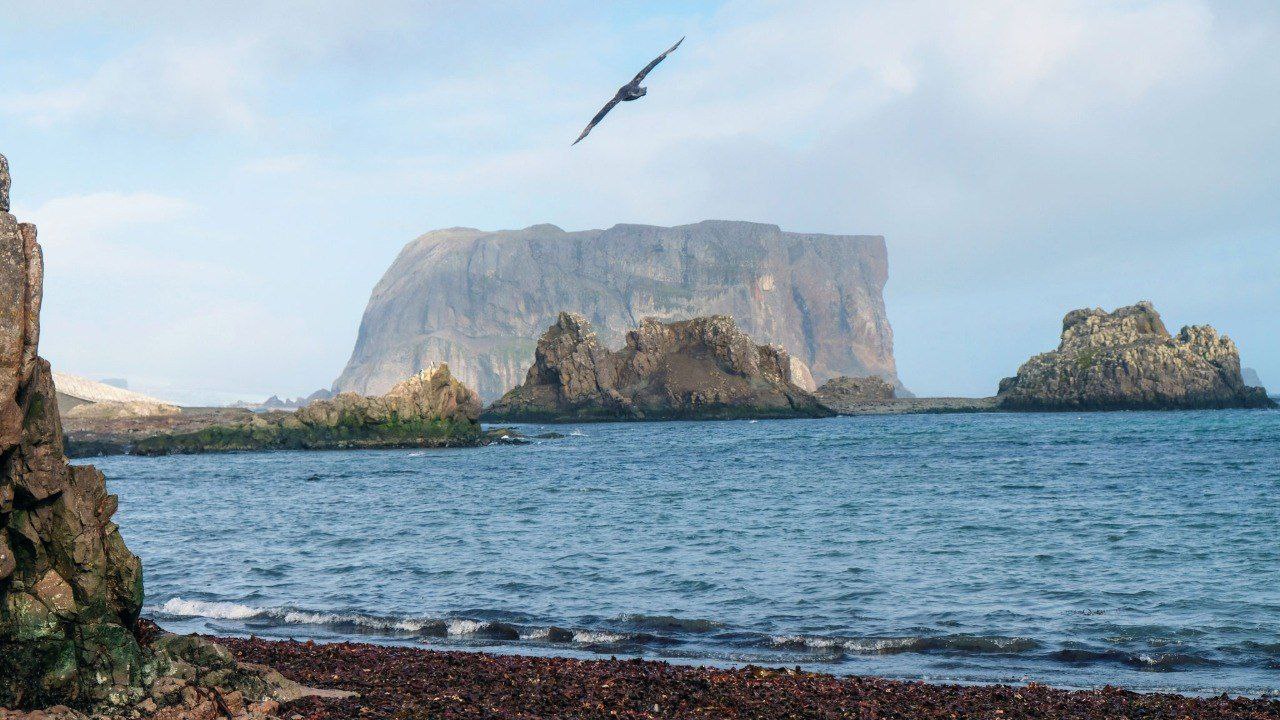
(802, 641)
(537, 634)
(597, 637)
(302, 617)
(857, 645)
(879, 645)
(465, 627)
(215, 610)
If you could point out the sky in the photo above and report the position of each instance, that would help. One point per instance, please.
(219, 186)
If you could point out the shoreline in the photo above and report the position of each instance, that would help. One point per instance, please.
(410, 682)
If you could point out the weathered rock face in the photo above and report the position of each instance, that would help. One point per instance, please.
(695, 369)
(842, 392)
(1127, 360)
(70, 591)
(430, 409)
(480, 300)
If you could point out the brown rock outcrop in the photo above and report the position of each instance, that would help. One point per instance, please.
(479, 300)
(704, 368)
(1128, 360)
(70, 591)
(850, 392)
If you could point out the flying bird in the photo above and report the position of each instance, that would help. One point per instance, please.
(630, 91)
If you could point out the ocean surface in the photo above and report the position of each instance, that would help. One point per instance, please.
(1140, 549)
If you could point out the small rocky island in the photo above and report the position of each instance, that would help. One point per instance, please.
(1128, 360)
(875, 396)
(429, 410)
(704, 368)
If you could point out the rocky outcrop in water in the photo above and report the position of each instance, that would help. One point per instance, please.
(70, 591)
(704, 368)
(1128, 360)
(430, 409)
(845, 391)
(480, 300)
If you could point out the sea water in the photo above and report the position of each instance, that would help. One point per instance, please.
(1140, 549)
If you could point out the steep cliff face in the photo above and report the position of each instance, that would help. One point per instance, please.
(702, 368)
(1127, 360)
(479, 300)
(70, 591)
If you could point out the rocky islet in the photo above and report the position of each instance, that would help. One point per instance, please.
(703, 368)
(1128, 360)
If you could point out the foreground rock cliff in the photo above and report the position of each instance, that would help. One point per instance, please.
(704, 368)
(479, 300)
(1128, 360)
(70, 591)
(430, 409)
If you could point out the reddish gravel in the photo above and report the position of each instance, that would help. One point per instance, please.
(398, 682)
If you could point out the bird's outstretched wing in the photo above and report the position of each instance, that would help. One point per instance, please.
(599, 116)
(655, 62)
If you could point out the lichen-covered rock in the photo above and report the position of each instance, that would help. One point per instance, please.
(845, 393)
(70, 591)
(1128, 360)
(430, 409)
(704, 368)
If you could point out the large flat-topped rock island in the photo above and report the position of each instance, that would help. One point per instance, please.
(479, 300)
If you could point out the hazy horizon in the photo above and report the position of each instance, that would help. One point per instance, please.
(219, 189)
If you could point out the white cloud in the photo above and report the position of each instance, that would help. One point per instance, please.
(81, 222)
(188, 87)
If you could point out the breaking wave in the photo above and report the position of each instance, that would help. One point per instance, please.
(892, 645)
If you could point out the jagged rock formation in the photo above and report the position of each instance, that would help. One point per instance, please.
(70, 591)
(430, 409)
(1127, 360)
(479, 300)
(275, 403)
(704, 368)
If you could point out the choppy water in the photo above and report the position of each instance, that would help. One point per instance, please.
(1134, 548)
